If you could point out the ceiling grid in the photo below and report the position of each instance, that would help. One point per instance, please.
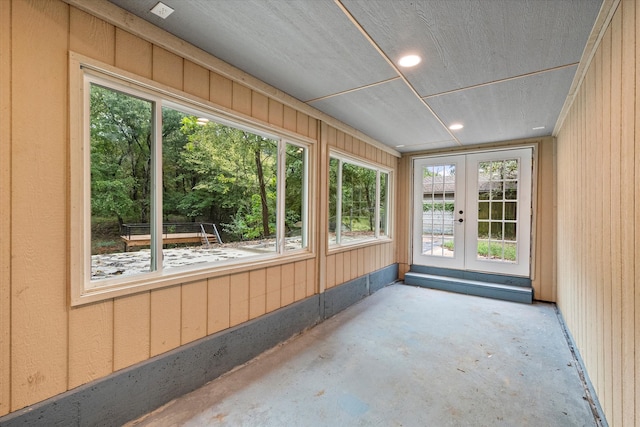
(502, 68)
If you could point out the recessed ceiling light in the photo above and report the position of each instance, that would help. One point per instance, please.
(409, 61)
(400, 146)
(162, 10)
(538, 128)
(456, 126)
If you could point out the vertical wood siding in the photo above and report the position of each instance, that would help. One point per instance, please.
(598, 211)
(5, 207)
(47, 347)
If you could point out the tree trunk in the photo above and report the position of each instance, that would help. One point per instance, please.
(370, 207)
(263, 195)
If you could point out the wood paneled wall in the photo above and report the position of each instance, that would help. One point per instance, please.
(46, 347)
(5, 206)
(599, 218)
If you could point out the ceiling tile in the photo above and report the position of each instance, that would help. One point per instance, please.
(506, 110)
(469, 42)
(308, 49)
(387, 112)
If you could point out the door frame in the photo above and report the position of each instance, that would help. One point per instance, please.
(413, 224)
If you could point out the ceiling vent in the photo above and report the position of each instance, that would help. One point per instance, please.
(162, 10)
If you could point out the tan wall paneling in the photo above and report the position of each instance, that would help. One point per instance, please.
(300, 280)
(91, 36)
(340, 138)
(276, 113)
(220, 90)
(219, 304)
(598, 178)
(361, 270)
(90, 342)
(368, 258)
(313, 129)
(599, 213)
(302, 123)
(194, 311)
(290, 118)
(403, 214)
(241, 99)
(5, 207)
(39, 314)
(166, 318)
(260, 106)
(311, 277)
(636, 186)
(346, 267)
(287, 295)
(91, 326)
(354, 264)
(196, 80)
(627, 205)
(348, 143)
(273, 288)
(168, 68)
(606, 386)
(239, 299)
(340, 276)
(330, 136)
(331, 271)
(544, 282)
(131, 325)
(257, 293)
(133, 54)
(614, 233)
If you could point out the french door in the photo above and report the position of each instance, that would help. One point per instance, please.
(473, 211)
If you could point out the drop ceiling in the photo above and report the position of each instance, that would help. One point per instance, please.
(502, 68)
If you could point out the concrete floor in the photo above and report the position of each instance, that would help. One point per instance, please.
(405, 356)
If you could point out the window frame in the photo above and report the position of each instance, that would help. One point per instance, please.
(379, 169)
(83, 73)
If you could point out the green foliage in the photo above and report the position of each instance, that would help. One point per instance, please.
(210, 172)
(493, 250)
(120, 155)
(358, 197)
(437, 206)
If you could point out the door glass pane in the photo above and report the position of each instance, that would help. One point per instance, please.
(497, 182)
(438, 202)
(121, 192)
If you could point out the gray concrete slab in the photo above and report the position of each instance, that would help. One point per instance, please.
(405, 356)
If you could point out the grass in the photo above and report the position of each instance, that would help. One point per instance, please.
(495, 248)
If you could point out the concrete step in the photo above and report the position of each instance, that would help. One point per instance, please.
(471, 287)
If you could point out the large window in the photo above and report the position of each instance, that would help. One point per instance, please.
(358, 201)
(170, 189)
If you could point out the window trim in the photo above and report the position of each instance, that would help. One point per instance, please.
(85, 71)
(379, 169)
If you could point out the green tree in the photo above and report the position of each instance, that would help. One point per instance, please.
(120, 155)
